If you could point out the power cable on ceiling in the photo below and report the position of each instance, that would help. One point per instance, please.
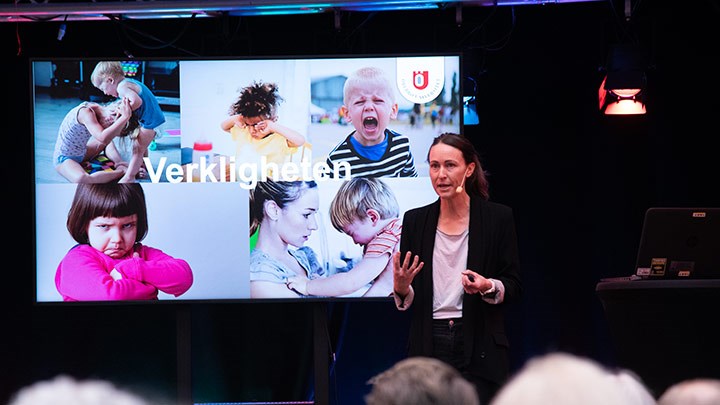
(163, 44)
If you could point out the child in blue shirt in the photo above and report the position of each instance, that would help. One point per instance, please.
(110, 78)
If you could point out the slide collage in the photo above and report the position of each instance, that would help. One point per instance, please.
(247, 179)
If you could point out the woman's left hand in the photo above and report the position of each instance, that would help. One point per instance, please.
(474, 283)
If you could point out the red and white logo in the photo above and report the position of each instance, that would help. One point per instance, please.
(420, 79)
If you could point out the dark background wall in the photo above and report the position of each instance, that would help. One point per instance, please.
(579, 184)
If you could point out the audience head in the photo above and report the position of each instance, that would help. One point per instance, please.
(696, 391)
(634, 387)
(64, 390)
(565, 379)
(421, 381)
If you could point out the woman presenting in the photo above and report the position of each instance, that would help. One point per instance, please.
(457, 267)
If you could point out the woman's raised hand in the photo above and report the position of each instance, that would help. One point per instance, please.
(405, 271)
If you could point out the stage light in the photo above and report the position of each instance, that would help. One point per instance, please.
(62, 29)
(623, 90)
(61, 32)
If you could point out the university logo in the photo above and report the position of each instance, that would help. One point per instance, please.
(420, 79)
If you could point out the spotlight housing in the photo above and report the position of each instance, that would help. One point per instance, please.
(623, 90)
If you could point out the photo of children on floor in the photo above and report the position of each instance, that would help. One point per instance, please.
(95, 121)
(331, 238)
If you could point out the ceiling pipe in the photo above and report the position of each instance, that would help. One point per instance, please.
(92, 10)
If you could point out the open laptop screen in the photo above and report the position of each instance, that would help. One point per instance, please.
(679, 243)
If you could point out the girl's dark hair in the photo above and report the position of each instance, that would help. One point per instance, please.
(477, 183)
(281, 192)
(257, 100)
(106, 200)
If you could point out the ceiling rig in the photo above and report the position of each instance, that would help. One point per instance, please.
(48, 10)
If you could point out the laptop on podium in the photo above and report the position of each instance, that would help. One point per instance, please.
(679, 243)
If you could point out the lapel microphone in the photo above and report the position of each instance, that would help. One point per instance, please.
(459, 189)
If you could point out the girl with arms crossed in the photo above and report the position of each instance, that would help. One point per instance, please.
(108, 221)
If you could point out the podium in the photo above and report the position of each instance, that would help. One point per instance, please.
(664, 330)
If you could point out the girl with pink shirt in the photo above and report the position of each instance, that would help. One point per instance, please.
(109, 263)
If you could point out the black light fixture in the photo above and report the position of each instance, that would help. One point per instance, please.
(623, 90)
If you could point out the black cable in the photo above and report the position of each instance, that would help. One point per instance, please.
(505, 39)
(230, 37)
(336, 352)
(354, 31)
(634, 8)
(124, 27)
(625, 33)
(170, 43)
(479, 26)
(332, 363)
(41, 19)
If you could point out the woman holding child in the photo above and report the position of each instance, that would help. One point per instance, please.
(365, 209)
(458, 264)
(283, 213)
